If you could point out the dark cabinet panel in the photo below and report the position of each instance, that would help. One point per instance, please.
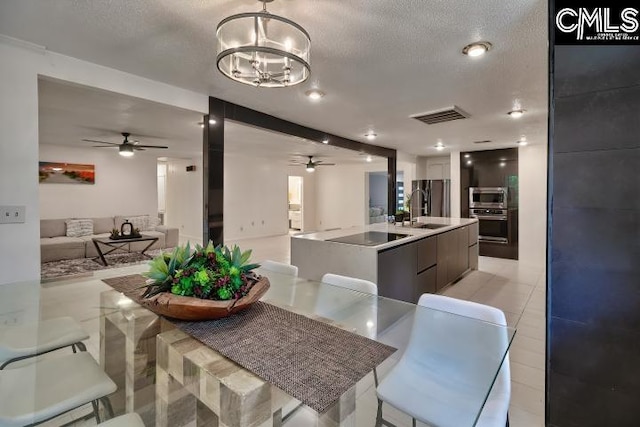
(462, 263)
(473, 233)
(426, 283)
(444, 245)
(397, 268)
(473, 257)
(427, 249)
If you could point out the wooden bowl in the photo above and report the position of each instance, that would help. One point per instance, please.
(191, 308)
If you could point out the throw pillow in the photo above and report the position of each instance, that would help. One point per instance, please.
(154, 221)
(140, 222)
(79, 227)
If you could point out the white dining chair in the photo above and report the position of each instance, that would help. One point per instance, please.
(353, 283)
(18, 342)
(50, 387)
(280, 267)
(439, 367)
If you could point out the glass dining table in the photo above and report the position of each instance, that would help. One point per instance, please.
(171, 379)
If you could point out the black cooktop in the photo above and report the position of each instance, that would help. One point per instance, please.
(370, 238)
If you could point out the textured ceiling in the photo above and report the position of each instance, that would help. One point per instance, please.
(379, 61)
(69, 113)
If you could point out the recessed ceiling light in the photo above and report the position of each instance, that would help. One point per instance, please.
(314, 94)
(369, 159)
(466, 156)
(201, 124)
(503, 164)
(522, 141)
(516, 114)
(468, 162)
(477, 49)
(325, 141)
(370, 136)
(212, 121)
(439, 146)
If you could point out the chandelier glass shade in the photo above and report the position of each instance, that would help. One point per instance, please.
(265, 50)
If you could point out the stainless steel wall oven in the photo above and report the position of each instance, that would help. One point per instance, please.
(493, 224)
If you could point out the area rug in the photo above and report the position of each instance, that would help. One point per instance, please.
(84, 266)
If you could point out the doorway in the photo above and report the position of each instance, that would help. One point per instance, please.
(295, 203)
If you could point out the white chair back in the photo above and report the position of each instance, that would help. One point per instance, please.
(355, 284)
(329, 302)
(280, 267)
(497, 404)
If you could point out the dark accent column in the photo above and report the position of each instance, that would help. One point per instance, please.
(593, 258)
(391, 182)
(213, 173)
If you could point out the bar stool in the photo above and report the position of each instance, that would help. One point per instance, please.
(33, 394)
(33, 339)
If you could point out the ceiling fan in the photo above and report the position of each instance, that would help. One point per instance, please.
(311, 165)
(127, 148)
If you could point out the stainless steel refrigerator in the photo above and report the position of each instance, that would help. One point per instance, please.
(433, 200)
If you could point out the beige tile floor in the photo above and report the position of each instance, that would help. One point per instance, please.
(515, 288)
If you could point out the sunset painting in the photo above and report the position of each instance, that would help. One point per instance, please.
(66, 173)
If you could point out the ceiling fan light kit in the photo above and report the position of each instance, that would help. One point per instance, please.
(126, 148)
(263, 50)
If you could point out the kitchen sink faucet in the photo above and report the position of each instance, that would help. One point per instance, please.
(411, 203)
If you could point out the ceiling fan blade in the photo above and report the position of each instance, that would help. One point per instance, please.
(139, 149)
(325, 164)
(101, 142)
(150, 146)
(105, 146)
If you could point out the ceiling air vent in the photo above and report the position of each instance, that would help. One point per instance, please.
(447, 115)
(482, 142)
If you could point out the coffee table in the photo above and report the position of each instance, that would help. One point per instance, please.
(120, 244)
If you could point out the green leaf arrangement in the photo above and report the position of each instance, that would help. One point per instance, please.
(216, 273)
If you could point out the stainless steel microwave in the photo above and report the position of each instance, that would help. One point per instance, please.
(488, 197)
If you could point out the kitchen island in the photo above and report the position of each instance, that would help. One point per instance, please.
(403, 261)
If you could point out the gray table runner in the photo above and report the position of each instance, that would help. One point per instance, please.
(310, 360)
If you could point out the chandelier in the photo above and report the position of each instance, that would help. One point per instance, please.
(264, 50)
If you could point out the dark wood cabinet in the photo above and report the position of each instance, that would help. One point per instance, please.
(473, 233)
(397, 270)
(426, 282)
(462, 263)
(425, 266)
(445, 242)
(473, 257)
(427, 250)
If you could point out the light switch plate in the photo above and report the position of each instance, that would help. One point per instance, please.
(12, 214)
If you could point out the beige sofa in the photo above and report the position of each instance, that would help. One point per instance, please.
(56, 245)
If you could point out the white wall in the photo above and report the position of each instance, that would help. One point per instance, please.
(532, 216)
(124, 186)
(340, 197)
(255, 197)
(309, 200)
(184, 199)
(20, 65)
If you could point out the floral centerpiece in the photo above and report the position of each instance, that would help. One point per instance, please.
(220, 276)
